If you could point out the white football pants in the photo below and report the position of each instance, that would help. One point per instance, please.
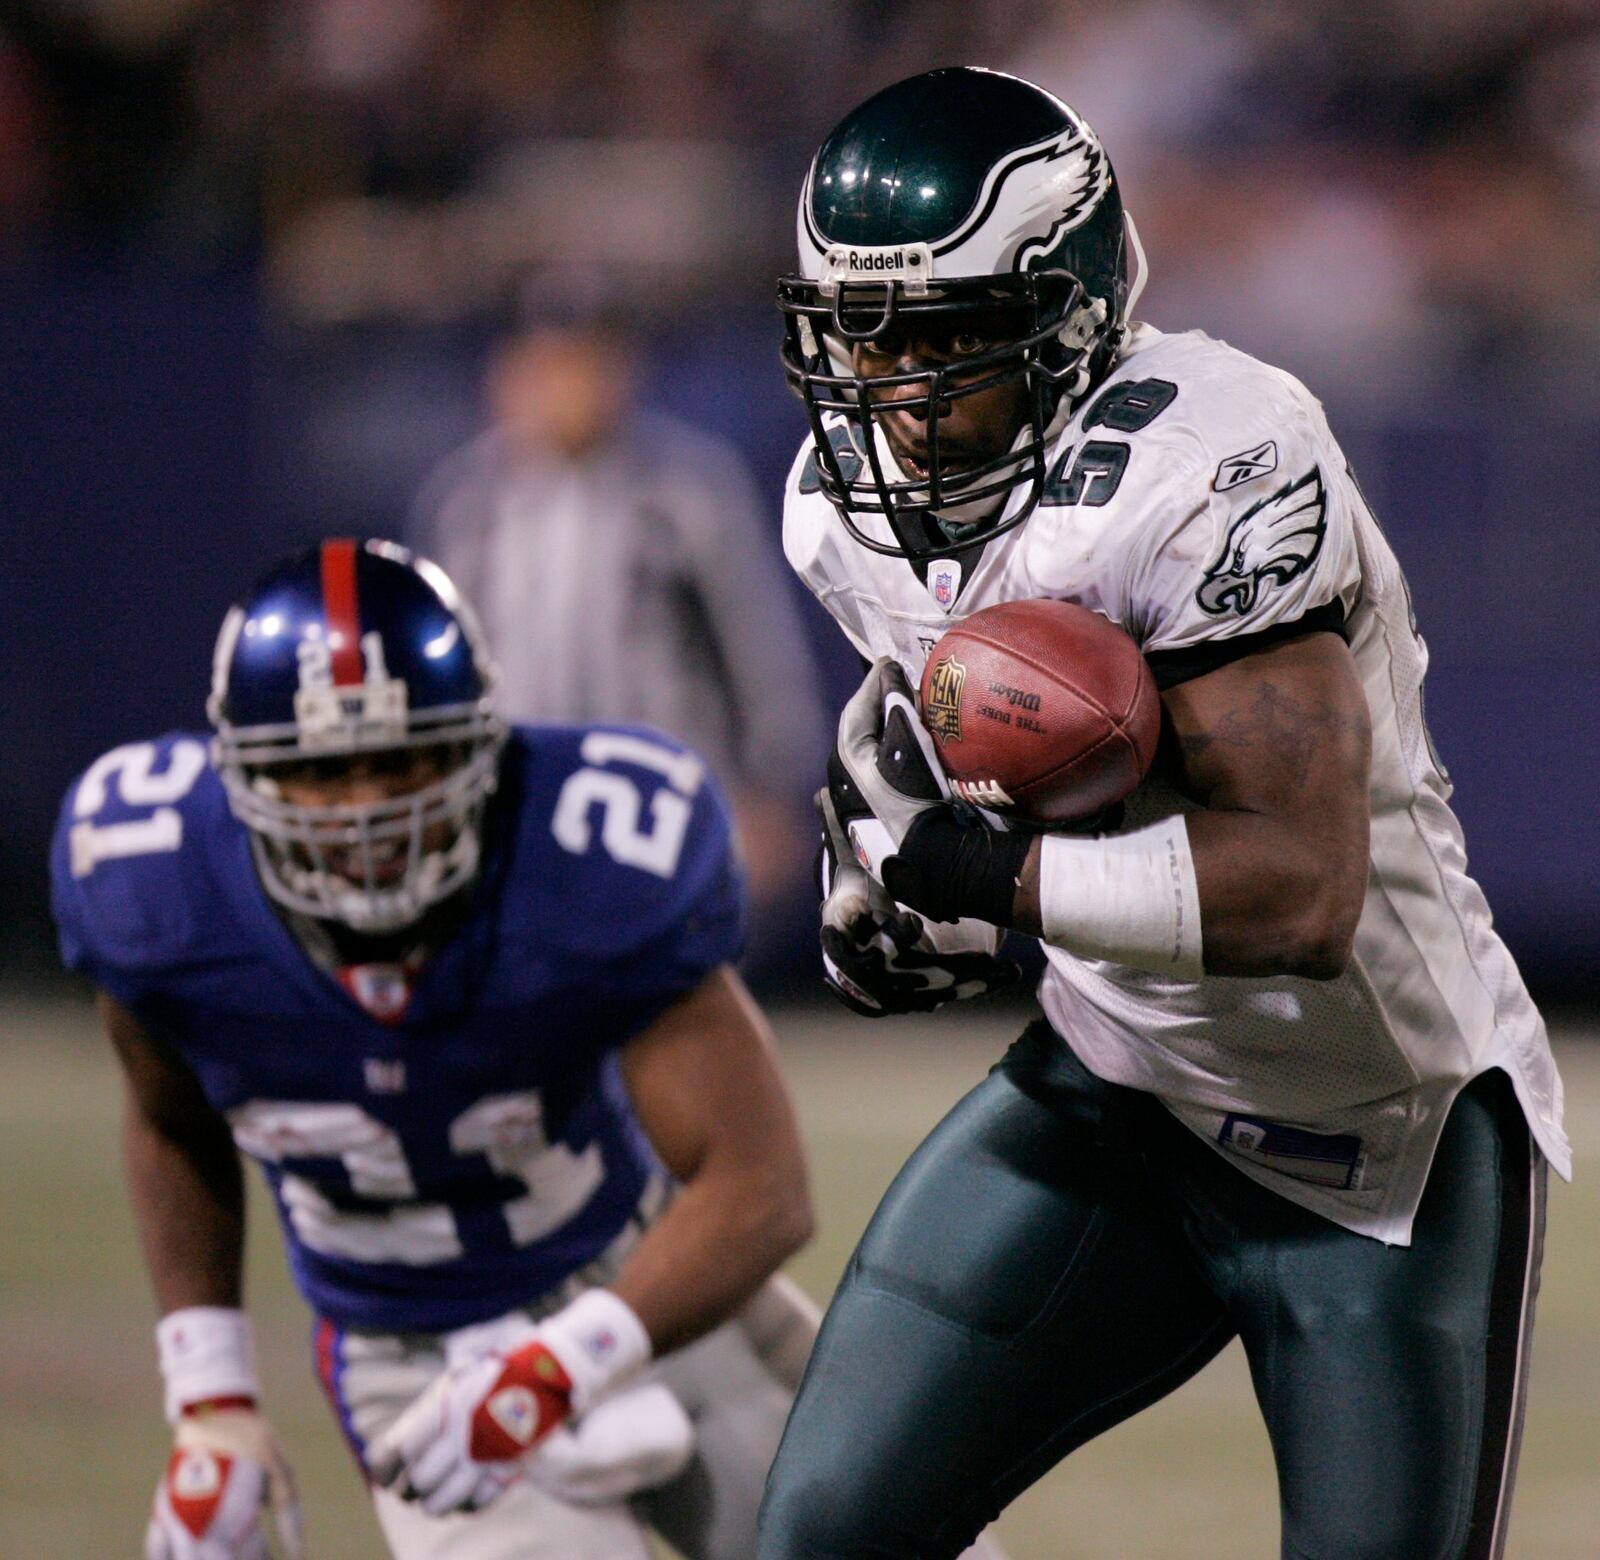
(736, 1384)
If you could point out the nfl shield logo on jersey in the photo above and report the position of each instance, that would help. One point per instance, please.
(944, 581)
(384, 990)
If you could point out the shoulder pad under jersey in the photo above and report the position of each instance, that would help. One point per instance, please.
(1223, 494)
(139, 864)
(818, 547)
(621, 845)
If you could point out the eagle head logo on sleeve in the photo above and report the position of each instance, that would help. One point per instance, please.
(1267, 545)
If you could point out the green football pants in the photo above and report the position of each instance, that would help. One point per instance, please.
(1061, 1252)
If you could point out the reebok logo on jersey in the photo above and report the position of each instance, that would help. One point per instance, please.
(383, 1075)
(1246, 466)
(1268, 545)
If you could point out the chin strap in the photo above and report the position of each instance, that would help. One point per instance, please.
(1087, 324)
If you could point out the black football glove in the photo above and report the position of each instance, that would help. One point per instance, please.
(893, 804)
(876, 958)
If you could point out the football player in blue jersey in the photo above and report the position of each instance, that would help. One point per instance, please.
(465, 993)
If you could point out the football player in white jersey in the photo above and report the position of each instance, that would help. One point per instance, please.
(1287, 1084)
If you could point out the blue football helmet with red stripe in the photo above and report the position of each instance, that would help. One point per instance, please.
(356, 655)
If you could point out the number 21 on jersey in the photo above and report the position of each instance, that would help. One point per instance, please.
(655, 849)
(138, 784)
(507, 1129)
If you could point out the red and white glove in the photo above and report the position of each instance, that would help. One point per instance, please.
(461, 1444)
(226, 1463)
(637, 1439)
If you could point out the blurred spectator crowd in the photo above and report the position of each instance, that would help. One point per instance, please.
(341, 232)
(1332, 183)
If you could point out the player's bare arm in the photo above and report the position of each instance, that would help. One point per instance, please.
(1276, 747)
(187, 1190)
(705, 1085)
(184, 1176)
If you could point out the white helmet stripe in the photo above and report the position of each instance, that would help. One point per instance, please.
(1141, 273)
(1076, 188)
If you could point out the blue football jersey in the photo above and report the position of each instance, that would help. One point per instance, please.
(444, 1156)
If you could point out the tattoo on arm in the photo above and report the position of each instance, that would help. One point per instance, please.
(1275, 728)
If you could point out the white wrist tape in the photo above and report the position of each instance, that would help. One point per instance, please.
(1130, 898)
(599, 1343)
(206, 1351)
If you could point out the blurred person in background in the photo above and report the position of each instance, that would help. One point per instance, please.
(465, 993)
(363, 175)
(1287, 1084)
(623, 566)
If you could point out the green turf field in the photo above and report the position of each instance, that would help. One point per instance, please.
(80, 1423)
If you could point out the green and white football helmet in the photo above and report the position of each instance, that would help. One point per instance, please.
(957, 195)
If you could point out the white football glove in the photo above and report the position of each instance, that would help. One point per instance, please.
(226, 1464)
(949, 863)
(461, 1444)
(884, 772)
(636, 1439)
(879, 958)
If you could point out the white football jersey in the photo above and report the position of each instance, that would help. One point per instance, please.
(1198, 495)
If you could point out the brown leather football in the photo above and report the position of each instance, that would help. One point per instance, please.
(1042, 708)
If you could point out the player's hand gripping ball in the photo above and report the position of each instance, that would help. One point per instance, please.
(1043, 709)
